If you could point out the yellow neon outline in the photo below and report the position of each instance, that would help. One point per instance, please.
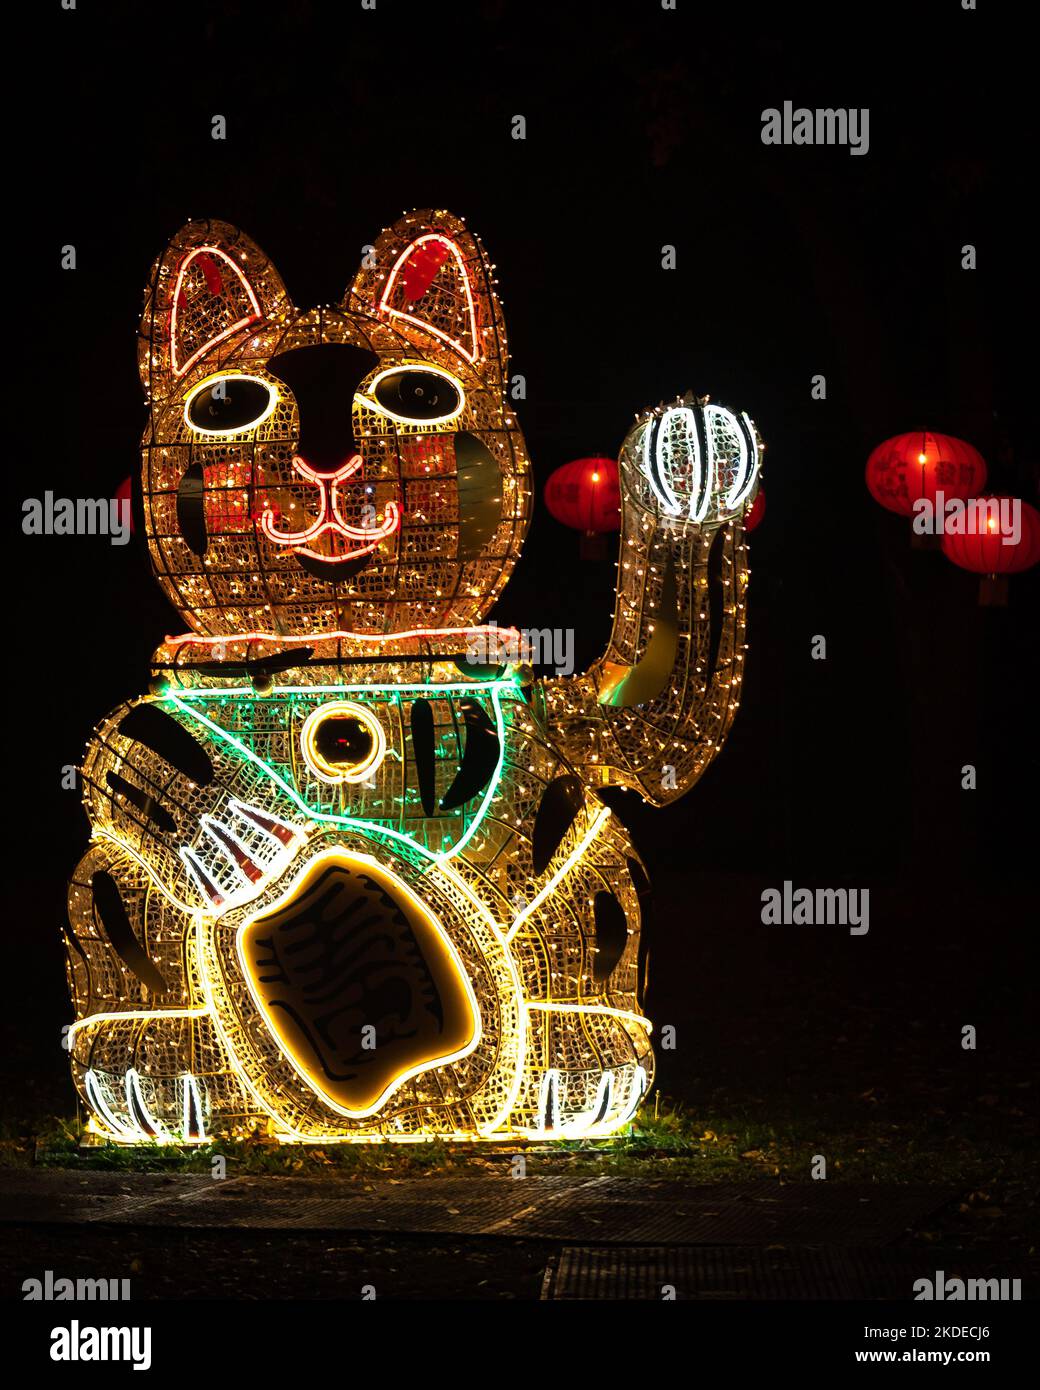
(218, 1023)
(326, 771)
(449, 870)
(576, 853)
(448, 1136)
(292, 1135)
(289, 1134)
(131, 1013)
(351, 857)
(230, 376)
(549, 1006)
(374, 404)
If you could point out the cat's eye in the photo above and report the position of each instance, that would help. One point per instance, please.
(229, 403)
(415, 395)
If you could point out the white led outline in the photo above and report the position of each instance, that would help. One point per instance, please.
(651, 464)
(549, 1101)
(196, 869)
(248, 888)
(242, 809)
(191, 1092)
(709, 438)
(133, 1092)
(737, 498)
(149, 1014)
(200, 386)
(373, 404)
(206, 820)
(639, 1090)
(657, 450)
(586, 1126)
(702, 472)
(133, 1134)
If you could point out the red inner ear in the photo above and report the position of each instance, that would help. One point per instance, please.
(211, 299)
(419, 269)
(214, 283)
(429, 286)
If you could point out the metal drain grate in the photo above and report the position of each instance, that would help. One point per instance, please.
(730, 1272)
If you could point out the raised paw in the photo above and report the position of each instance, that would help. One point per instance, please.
(692, 461)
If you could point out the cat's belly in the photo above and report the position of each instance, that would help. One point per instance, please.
(381, 910)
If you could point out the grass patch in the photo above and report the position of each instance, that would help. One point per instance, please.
(666, 1140)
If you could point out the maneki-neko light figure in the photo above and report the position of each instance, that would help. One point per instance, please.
(345, 881)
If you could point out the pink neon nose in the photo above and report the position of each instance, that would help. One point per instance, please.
(361, 539)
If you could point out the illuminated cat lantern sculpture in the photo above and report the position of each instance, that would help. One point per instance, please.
(346, 883)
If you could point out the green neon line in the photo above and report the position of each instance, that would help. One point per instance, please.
(352, 821)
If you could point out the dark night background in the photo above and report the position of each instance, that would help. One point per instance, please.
(643, 128)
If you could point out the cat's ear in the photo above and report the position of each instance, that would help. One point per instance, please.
(429, 279)
(209, 288)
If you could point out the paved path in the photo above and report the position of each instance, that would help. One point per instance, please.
(476, 1236)
(605, 1210)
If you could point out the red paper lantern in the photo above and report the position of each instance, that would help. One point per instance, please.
(983, 548)
(756, 511)
(586, 494)
(911, 466)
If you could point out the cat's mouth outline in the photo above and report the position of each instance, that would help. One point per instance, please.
(330, 520)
